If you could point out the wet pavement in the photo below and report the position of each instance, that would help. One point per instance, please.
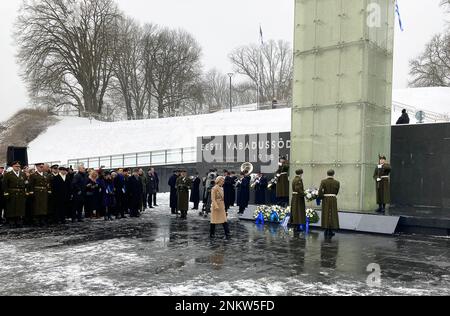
(161, 255)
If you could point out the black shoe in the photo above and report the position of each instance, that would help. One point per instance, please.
(212, 236)
(156, 205)
(331, 234)
(80, 221)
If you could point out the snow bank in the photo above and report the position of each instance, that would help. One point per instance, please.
(74, 138)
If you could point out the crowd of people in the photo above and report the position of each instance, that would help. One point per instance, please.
(45, 195)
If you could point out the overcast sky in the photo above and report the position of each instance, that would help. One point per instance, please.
(220, 26)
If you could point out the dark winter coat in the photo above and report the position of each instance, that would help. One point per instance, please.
(135, 192)
(79, 183)
(173, 191)
(195, 193)
(152, 185)
(260, 191)
(229, 191)
(61, 193)
(92, 196)
(404, 119)
(110, 195)
(244, 192)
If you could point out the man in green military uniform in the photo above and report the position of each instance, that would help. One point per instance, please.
(328, 191)
(283, 183)
(14, 188)
(298, 205)
(381, 176)
(184, 183)
(39, 190)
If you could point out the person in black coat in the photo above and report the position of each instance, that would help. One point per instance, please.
(79, 193)
(243, 192)
(155, 174)
(121, 191)
(92, 203)
(195, 191)
(135, 193)
(261, 185)
(152, 187)
(173, 191)
(62, 193)
(229, 191)
(404, 119)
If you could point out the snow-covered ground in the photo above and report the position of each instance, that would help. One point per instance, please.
(74, 138)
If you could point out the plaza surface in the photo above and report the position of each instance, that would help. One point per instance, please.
(159, 254)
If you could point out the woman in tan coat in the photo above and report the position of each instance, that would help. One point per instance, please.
(218, 213)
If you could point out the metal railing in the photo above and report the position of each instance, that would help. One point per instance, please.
(429, 117)
(142, 159)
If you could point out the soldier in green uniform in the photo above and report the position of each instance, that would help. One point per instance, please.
(328, 191)
(39, 190)
(381, 176)
(283, 183)
(14, 188)
(298, 205)
(184, 183)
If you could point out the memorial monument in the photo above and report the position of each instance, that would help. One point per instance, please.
(341, 117)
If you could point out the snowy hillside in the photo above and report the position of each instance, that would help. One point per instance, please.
(74, 138)
(79, 138)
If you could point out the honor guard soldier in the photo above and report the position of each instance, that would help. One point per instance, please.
(282, 188)
(184, 183)
(14, 188)
(39, 191)
(381, 176)
(328, 191)
(298, 204)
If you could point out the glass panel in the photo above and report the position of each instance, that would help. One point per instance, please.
(189, 155)
(158, 158)
(174, 156)
(352, 20)
(84, 162)
(117, 161)
(94, 163)
(328, 34)
(106, 162)
(144, 159)
(130, 160)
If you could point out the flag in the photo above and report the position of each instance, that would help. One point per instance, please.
(261, 35)
(397, 11)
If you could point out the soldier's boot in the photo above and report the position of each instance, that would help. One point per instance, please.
(212, 231)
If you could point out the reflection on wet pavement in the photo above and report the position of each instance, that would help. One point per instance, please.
(161, 255)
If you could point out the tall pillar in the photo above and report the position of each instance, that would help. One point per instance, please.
(341, 116)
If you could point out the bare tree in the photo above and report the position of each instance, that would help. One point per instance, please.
(66, 51)
(432, 68)
(216, 88)
(174, 66)
(130, 69)
(269, 67)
